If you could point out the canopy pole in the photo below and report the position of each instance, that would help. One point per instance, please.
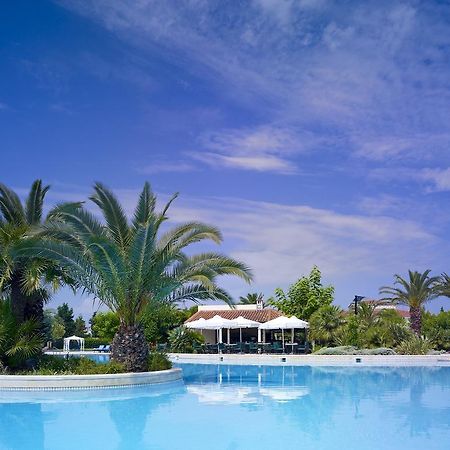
(240, 335)
(228, 336)
(282, 337)
(259, 335)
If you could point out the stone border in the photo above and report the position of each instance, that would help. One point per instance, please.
(314, 360)
(100, 381)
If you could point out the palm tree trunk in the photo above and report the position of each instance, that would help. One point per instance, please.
(130, 348)
(18, 299)
(415, 319)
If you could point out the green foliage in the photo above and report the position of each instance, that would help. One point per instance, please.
(65, 314)
(414, 292)
(57, 329)
(91, 342)
(351, 350)
(325, 324)
(436, 327)
(80, 326)
(104, 325)
(182, 340)
(158, 361)
(304, 297)
(54, 365)
(161, 317)
(18, 342)
(125, 264)
(415, 345)
(26, 279)
(251, 299)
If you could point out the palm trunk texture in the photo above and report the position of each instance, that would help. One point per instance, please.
(130, 348)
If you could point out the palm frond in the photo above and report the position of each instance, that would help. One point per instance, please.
(35, 202)
(10, 206)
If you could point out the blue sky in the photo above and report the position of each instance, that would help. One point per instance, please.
(310, 131)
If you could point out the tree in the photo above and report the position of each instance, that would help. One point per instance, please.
(80, 326)
(58, 331)
(18, 341)
(104, 325)
(65, 313)
(251, 299)
(325, 323)
(414, 292)
(127, 264)
(25, 279)
(304, 297)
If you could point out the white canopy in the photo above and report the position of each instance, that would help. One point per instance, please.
(197, 324)
(284, 323)
(217, 323)
(67, 341)
(242, 322)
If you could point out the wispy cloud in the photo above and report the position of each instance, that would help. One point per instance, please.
(263, 149)
(373, 75)
(437, 179)
(166, 166)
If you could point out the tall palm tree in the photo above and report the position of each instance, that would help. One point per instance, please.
(251, 299)
(128, 264)
(25, 280)
(414, 292)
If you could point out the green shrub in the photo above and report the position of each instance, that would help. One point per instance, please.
(93, 342)
(415, 345)
(56, 365)
(351, 350)
(182, 340)
(158, 361)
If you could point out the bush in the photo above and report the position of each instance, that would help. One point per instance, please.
(158, 361)
(93, 342)
(351, 350)
(55, 365)
(415, 345)
(182, 340)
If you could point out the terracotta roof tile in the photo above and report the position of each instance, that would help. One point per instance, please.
(261, 315)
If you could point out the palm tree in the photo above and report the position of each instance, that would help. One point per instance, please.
(414, 292)
(128, 264)
(24, 279)
(325, 323)
(18, 341)
(251, 299)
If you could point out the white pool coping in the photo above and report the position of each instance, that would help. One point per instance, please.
(314, 360)
(98, 381)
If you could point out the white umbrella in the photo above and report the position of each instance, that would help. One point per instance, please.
(217, 323)
(242, 322)
(284, 323)
(196, 324)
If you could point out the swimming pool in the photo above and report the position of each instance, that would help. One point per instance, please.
(242, 407)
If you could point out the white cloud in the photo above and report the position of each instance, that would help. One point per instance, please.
(370, 74)
(166, 166)
(263, 149)
(439, 179)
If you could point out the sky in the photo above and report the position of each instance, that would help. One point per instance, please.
(311, 132)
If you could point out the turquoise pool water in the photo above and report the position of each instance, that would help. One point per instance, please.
(242, 407)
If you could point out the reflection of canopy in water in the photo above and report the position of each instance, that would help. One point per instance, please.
(232, 395)
(284, 394)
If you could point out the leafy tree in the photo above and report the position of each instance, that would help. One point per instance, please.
(104, 325)
(18, 341)
(436, 327)
(58, 330)
(80, 326)
(325, 324)
(65, 313)
(125, 265)
(182, 340)
(304, 297)
(251, 299)
(26, 279)
(414, 292)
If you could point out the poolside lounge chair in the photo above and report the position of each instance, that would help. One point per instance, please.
(107, 348)
(99, 348)
(253, 347)
(198, 348)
